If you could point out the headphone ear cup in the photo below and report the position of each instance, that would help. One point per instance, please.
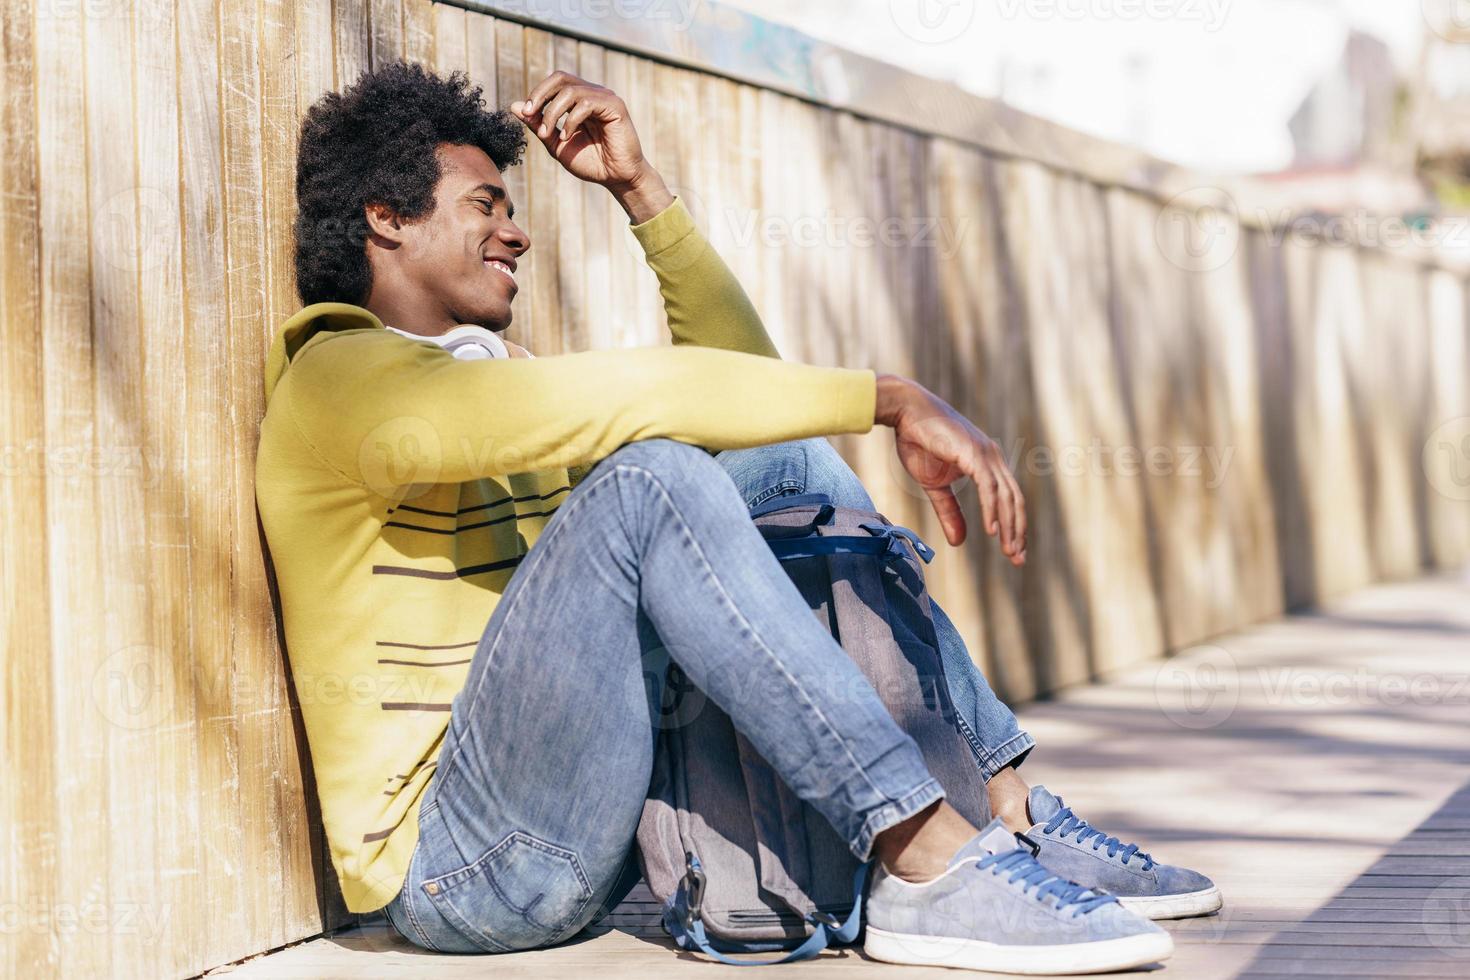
(472, 343)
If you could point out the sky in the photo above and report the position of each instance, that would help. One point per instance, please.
(1210, 84)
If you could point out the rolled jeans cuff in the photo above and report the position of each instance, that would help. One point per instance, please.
(893, 813)
(1011, 752)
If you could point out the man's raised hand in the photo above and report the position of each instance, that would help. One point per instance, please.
(586, 128)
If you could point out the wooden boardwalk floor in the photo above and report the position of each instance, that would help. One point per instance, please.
(1317, 767)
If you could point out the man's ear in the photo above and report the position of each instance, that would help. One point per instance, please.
(384, 225)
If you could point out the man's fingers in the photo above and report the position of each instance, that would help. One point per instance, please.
(1022, 525)
(951, 518)
(579, 115)
(556, 108)
(545, 89)
(985, 485)
(1005, 515)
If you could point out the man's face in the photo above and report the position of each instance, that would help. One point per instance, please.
(462, 257)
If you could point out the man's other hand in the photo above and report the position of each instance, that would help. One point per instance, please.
(938, 446)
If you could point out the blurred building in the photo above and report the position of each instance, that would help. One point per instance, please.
(1442, 108)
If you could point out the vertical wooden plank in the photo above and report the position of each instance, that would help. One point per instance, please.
(248, 290)
(955, 196)
(740, 214)
(451, 37)
(418, 32)
(210, 507)
(352, 40)
(570, 228)
(315, 29)
(385, 32)
(80, 739)
(598, 217)
(510, 86)
(166, 517)
(126, 642)
(542, 173)
(28, 818)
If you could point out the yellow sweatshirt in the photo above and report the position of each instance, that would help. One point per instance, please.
(399, 488)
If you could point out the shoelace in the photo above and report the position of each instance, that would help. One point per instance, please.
(1073, 824)
(1026, 870)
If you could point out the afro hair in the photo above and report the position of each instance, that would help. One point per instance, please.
(375, 143)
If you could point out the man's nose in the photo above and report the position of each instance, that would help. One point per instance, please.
(515, 238)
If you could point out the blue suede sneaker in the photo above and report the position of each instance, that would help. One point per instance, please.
(995, 908)
(1074, 849)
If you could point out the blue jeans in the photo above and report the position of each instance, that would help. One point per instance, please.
(526, 827)
(649, 560)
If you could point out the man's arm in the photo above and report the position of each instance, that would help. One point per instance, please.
(385, 411)
(597, 142)
(586, 129)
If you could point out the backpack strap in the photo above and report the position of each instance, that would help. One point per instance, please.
(682, 921)
(884, 541)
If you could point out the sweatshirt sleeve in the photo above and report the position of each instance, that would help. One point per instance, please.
(704, 301)
(384, 411)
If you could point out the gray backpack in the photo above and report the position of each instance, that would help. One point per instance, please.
(737, 861)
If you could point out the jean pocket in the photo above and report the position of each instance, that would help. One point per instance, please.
(520, 894)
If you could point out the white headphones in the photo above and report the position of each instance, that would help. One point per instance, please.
(466, 343)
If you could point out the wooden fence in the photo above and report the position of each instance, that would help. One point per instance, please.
(1207, 433)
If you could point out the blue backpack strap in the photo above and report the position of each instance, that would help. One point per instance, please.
(925, 552)
(884, 541)
(682, 920)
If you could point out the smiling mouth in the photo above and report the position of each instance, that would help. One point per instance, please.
(503, 269)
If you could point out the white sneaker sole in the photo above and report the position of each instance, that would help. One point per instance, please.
(1102, 956)
(1174, 906)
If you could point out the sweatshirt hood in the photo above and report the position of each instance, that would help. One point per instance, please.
(300, 328)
